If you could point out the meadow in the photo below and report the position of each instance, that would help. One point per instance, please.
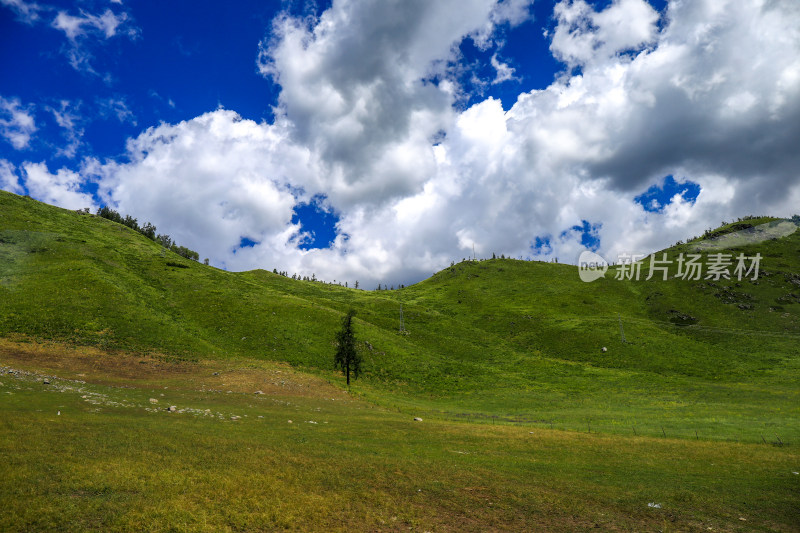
(691, 422)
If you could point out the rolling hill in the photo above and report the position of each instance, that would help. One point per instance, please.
(142, 391)
(494, 340)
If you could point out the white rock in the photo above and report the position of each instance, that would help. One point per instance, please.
(417, 419)
(153, 400)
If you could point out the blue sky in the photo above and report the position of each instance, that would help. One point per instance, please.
(380, 141)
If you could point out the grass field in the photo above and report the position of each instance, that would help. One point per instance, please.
(114, 461)
(528, 424)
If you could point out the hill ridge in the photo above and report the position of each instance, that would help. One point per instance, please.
(494, 338)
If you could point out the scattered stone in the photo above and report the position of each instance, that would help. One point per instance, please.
(290, 421)
(258, 392)
(10, 370)
(654, 505)
(153, 400)
(743, 519)
(58, 413)
(46, 381)
(417, 419)
(234, 417)
(604, 349)
(216, 373)
(172, 408)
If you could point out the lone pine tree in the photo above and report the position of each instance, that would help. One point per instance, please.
(347, 359)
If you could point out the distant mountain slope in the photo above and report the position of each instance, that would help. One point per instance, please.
(498, 338)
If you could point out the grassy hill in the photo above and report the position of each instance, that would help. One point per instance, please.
(493, 340)
(691, 423)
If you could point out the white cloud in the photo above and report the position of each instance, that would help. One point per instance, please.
(222, 177)
(353, 89)
(61, 189)
(105, 25)
(712, 97)
(504, 71)
(16, 122)
(583, 35)
(27, 12)
(8, 178)
(116, 108)
(68, 119)
(82, 30)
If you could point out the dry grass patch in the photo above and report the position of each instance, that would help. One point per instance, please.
(117, 368)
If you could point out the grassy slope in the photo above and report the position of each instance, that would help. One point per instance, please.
(489, 340)
(90, 451)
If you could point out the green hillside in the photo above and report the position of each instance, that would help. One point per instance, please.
(496, 341)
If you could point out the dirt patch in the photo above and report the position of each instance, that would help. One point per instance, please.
(147, 371)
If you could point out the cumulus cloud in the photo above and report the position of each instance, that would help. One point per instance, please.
(16, 122)
(222, 177)
(709, 93)
(584, 35)
(580, 149)
(8, 178)
(62, 188)
(356, 87)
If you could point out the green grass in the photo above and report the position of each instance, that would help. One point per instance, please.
(113, 461)
(502, 359)
(491, 340)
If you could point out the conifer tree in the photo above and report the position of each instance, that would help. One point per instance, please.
(347, 359)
